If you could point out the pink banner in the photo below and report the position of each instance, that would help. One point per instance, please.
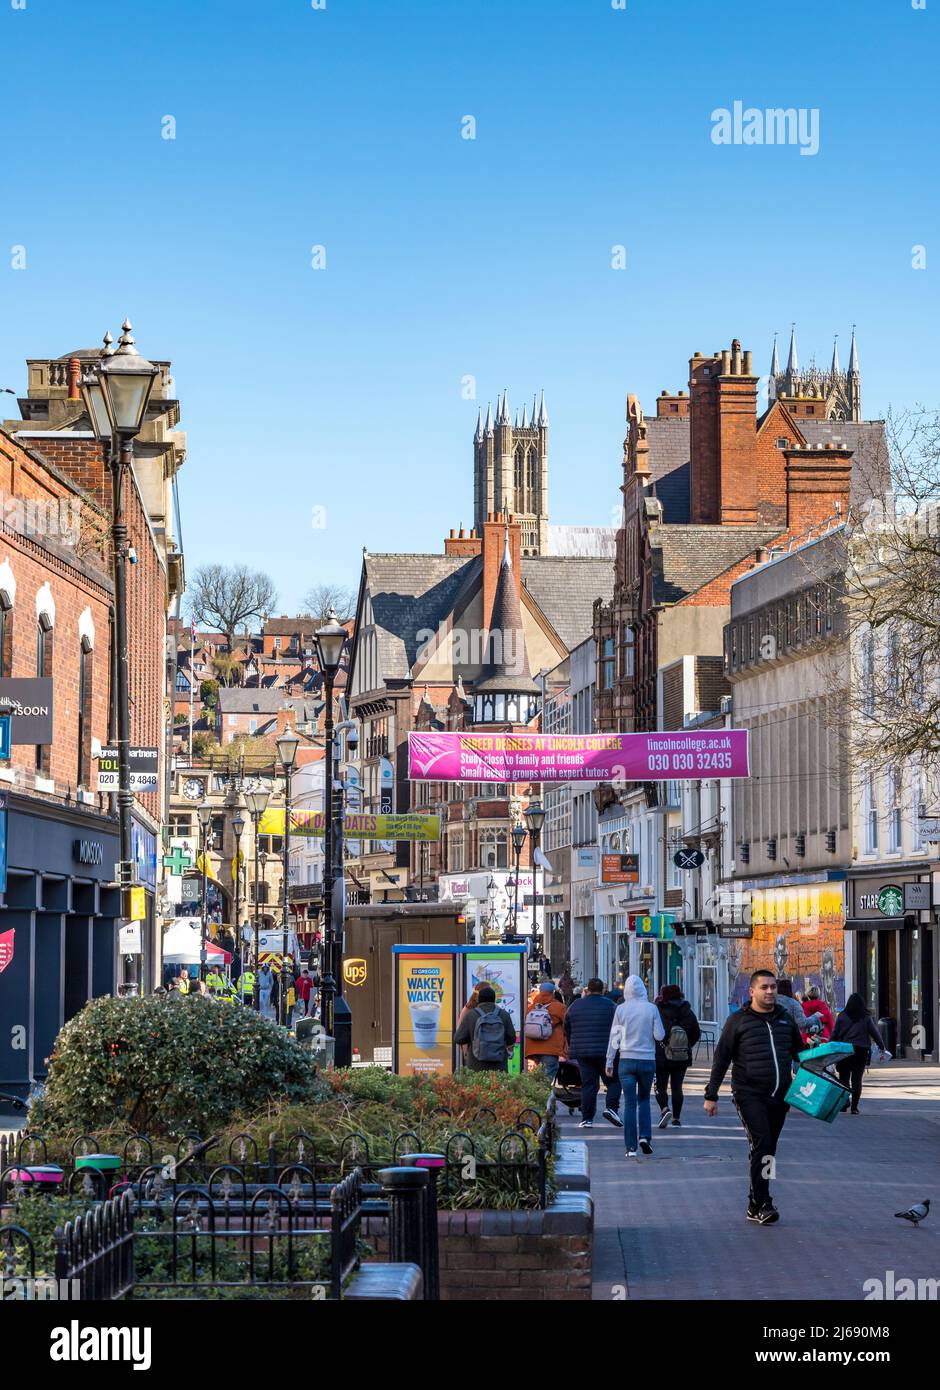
(660, 757)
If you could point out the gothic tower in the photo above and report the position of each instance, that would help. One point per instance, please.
(814, 393)
(510, 470)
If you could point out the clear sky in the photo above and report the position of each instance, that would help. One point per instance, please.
(343, 388)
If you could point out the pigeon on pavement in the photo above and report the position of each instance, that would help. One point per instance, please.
(915, 1214)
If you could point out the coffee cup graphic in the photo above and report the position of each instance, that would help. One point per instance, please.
(425, 1019)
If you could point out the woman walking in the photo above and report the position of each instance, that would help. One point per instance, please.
(674, 1053)
(856, 1026)
(636, 1029)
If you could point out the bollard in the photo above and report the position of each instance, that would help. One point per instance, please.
(432, 1165)
(404, 1189)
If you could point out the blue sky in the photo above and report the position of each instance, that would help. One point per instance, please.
(341, 388)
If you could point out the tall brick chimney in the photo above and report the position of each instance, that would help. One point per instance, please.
(75, 371)
(723, 411)
(494, 532)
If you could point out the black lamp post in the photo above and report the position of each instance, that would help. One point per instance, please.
(330, 641)
(115, 395)
(238, 825)
(287, 746)
(535, 819)
(205, 820)
(518, 840)
(257, 804)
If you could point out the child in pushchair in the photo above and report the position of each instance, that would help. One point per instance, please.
(567, 1087)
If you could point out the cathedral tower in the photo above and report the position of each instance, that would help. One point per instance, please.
(814, 393)
(510, 470)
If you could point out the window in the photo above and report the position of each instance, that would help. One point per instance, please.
(628, 652)
(783, 442)
(232, 720)
(84, 712)
(608, 662)
(271, 844)
(6, 634)
(868, 674)
(181, 826)
(895, 833)
(216, 832)
(870, 812)
(455, 852)
(494, 848)
(43, 668)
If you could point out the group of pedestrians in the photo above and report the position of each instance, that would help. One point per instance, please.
(641, 1049)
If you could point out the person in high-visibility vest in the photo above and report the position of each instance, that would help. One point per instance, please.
(215, 983)
(246, 985)
(182, 983)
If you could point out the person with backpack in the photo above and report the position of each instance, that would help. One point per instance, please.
(544, 1029)
(855, 1025)
(634, 1031)
(674, 1053)
(489, 1033)
(813, 1004)
(587, 1029)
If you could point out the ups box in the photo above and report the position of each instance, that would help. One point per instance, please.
(370, 932)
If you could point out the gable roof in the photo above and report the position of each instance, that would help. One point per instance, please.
(410, 593)
(237, 700)
(685, 558)
(565, 587)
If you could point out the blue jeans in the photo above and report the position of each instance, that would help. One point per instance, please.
(636, 1076)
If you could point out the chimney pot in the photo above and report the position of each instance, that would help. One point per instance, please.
(748, 356)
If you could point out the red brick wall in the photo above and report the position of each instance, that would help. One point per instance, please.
(494, 539)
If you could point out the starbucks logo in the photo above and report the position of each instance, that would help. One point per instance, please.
(891, 901)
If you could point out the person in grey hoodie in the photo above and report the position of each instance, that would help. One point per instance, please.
(636, 1029)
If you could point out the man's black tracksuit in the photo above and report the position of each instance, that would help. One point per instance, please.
(759, 1048)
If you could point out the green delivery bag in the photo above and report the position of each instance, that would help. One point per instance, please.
(815, 1089)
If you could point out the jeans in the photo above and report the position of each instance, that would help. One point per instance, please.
(591, 1069)
(762, 1118)
(548, 1062)
(850, 1071)
(674, 1072)
(636, 1078)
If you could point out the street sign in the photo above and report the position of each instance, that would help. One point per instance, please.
(659, 925)
(688, 859)
(133, 904)
(143, 769)
(929, 827)
(5, 735)
(917, 897)
(129, 939)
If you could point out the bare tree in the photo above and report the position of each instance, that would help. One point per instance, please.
(892, 603)
(229, 597)
(322, 597)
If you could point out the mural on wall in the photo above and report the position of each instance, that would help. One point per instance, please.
(797, 933)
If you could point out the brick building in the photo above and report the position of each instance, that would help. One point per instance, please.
(58, 618)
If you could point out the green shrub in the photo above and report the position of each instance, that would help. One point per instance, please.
(169, 1066)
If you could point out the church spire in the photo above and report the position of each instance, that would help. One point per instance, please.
(853, 355)
(488, 427)
(774, 362)
(525, 417)
(479, 431)
(792, 361)
(543, 413)
(835, 357)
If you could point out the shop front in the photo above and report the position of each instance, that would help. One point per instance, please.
(58, 938)
(892, 936)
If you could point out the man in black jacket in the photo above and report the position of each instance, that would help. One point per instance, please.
(758, 1042)
(587, 1032)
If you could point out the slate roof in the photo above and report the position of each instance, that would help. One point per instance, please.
(235, 700)
(565, 587)
(871, 469)
(687, 557)
(411, 592)
(671, 470)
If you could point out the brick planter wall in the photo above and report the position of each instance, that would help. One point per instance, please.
(515, 1255)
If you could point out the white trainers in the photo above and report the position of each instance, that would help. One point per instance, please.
(585, 1124)
(630, 1153)
(613, 1117)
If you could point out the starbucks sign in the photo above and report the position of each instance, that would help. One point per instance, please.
(889, 901)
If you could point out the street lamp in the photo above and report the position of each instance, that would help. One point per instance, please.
(257, 805)
(115, 395)
(535, 819)
(287, 746)
(238, 826)
(518, 840)
(330, 641)
(204, 813)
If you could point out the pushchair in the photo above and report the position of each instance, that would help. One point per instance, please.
(567, 1085)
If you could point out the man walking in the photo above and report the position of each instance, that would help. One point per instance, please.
(758, 1042)
(489, 1033)
(587, 1031)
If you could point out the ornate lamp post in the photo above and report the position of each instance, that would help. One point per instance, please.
(518, 840)
(535, 819)
(287, 746)
(115, 395)
(205, 820)
(257, 804)
(330, 641)
(238, 825)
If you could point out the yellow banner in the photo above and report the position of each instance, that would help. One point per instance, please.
(407, 826)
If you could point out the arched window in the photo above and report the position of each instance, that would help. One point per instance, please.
(6, 634)
(518, 480)
(494, 848)
(44, 640)
(85, 675)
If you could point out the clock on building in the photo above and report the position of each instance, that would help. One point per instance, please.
(194, 789)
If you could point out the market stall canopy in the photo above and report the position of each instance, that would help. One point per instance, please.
(182, 944)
